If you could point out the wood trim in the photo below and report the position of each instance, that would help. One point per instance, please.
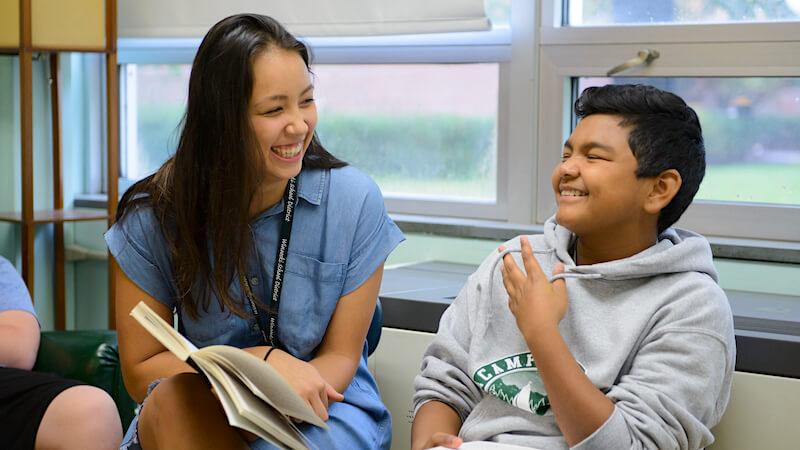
(26, 144)
(112, 116)
(59, 299)
(57, 216)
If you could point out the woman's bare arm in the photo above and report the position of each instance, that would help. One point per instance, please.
(143, 358)
(340, 352)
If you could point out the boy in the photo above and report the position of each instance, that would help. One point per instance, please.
(39, 410)
(616, 334)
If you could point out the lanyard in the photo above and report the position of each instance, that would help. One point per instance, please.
(269, 325)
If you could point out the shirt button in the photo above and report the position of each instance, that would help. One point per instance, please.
(254, 281)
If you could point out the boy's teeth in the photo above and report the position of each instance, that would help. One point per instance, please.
(572, 194)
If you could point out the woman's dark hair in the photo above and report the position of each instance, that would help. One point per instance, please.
(201, 196)
(665, 134)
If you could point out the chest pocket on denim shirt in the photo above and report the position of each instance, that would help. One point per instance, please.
(310, 294)
(215, 326)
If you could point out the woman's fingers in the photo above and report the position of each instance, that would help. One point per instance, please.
(332, 394)
(445, 440)
(319, 408)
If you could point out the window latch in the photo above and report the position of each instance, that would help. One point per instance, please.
(643, 58)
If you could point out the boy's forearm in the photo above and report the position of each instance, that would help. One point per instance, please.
(579, 407)
(433, 417)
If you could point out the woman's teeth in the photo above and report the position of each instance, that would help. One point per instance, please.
(288, 151)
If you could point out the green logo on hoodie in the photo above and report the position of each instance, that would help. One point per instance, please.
(515, 380)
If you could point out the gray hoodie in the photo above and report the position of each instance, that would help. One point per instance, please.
(654, 332)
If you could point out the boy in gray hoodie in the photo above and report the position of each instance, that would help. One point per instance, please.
(609, 330)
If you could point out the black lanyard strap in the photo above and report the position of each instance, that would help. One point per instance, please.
(269, 325)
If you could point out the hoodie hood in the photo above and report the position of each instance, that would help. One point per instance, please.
(676, 251)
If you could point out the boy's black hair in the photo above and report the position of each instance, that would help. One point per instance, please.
(665, 134)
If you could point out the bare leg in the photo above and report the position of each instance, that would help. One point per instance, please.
(81, 417)
(182, 412)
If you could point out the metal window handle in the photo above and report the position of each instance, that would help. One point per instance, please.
(643, 58)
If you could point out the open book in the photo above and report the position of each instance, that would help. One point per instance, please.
(254, 396)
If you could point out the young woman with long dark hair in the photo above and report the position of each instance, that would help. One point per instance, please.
(205, 236)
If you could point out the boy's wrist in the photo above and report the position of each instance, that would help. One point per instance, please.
(540, 333)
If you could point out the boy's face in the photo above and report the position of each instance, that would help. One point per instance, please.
(596, 187)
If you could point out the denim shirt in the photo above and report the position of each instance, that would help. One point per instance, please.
(341, 234)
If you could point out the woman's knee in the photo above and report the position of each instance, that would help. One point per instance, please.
(173, 398)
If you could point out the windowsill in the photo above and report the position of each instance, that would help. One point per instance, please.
(722, 247)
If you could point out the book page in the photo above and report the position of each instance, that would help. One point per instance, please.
(262, 380)
(162, 331)
(246, 411)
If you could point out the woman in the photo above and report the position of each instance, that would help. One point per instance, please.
(201, 237)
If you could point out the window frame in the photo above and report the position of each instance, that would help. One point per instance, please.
(734, 49)
(511, 50)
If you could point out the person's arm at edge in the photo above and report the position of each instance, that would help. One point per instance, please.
(435, 423)
(142, 357)
(19, 339)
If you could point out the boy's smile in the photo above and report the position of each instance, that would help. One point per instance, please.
(596, 187)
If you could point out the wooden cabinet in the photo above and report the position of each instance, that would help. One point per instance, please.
(48, 27)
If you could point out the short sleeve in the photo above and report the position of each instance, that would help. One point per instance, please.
(13, 293)
(376, 235)
(140, 249)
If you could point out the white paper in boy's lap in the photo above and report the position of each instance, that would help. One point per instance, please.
(482, 445)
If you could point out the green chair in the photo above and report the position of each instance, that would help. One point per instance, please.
(88, 356)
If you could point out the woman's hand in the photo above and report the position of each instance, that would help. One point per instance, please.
(445, 440)
(442, 439)
(306, 381)
(534, 301)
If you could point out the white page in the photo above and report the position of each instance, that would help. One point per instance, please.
(250, 407)
(228, 405)
(263, 381)
(162, 331)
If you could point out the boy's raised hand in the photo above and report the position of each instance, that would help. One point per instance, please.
(534, 301)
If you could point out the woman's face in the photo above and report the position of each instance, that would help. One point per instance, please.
(282, 111)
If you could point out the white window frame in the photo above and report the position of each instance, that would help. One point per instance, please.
(512, 49)
(735, 49)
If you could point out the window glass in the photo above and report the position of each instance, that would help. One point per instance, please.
(420, 130)
(499, 12)
(617, 12)
(751, 132)
(155, 100)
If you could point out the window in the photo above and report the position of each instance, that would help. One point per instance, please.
(422, 114)
(734, 61)
(433, 140)
(617, 12)
(750, 131)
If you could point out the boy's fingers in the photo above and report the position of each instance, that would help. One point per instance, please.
(510, 266)
(559, 285)
(530, 262)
